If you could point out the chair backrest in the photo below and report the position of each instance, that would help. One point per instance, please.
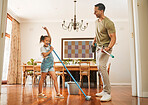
(28, 69)
(58, 66)
(84, 66)
(38, 62)
(37, 68)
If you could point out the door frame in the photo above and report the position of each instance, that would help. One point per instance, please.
(3, 17)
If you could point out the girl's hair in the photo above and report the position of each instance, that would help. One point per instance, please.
(42, 38)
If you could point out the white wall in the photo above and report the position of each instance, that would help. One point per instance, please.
(31, 32)
(120, 67)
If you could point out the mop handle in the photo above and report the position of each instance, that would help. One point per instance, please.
(68, 72)
(107, 52)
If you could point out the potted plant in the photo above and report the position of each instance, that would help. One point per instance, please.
(93, 61)
(65, 62)
(31, 62)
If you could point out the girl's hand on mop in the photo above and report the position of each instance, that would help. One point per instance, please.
(51, 48)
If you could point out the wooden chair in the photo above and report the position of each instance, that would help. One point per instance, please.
(37, 72)
(85, 71)
(28, 71)
(100, 80)
(58, 66)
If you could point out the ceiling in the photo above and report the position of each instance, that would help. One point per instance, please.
(53, 10)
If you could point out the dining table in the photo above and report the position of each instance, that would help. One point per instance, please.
(71, 68)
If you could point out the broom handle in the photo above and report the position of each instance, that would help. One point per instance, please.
(106, 52)
(69, 72)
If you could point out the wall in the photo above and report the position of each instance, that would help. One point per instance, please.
(120, 67)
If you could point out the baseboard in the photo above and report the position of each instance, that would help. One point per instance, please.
(120, 84)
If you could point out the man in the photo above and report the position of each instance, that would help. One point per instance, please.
(105, 38)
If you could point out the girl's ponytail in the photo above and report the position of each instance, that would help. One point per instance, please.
(42, 38)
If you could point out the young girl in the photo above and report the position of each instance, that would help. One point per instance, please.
(47, 65)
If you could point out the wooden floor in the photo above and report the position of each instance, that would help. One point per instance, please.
(27, 95)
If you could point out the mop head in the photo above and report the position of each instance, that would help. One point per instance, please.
(112, 56)
(87, 98)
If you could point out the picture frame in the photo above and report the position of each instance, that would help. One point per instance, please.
(77, 48)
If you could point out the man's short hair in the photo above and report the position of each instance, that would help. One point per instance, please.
(100, 6)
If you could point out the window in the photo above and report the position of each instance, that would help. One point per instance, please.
(7, 47)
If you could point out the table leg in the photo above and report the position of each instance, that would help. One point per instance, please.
(97, 78)
(58, 80)
(24, 76)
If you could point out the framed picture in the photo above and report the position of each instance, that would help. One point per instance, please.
(77, 48)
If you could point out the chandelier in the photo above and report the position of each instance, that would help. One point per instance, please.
(74, 24)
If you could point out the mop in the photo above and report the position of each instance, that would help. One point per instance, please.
(86, 97)
(106, 52)
(94, 48)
